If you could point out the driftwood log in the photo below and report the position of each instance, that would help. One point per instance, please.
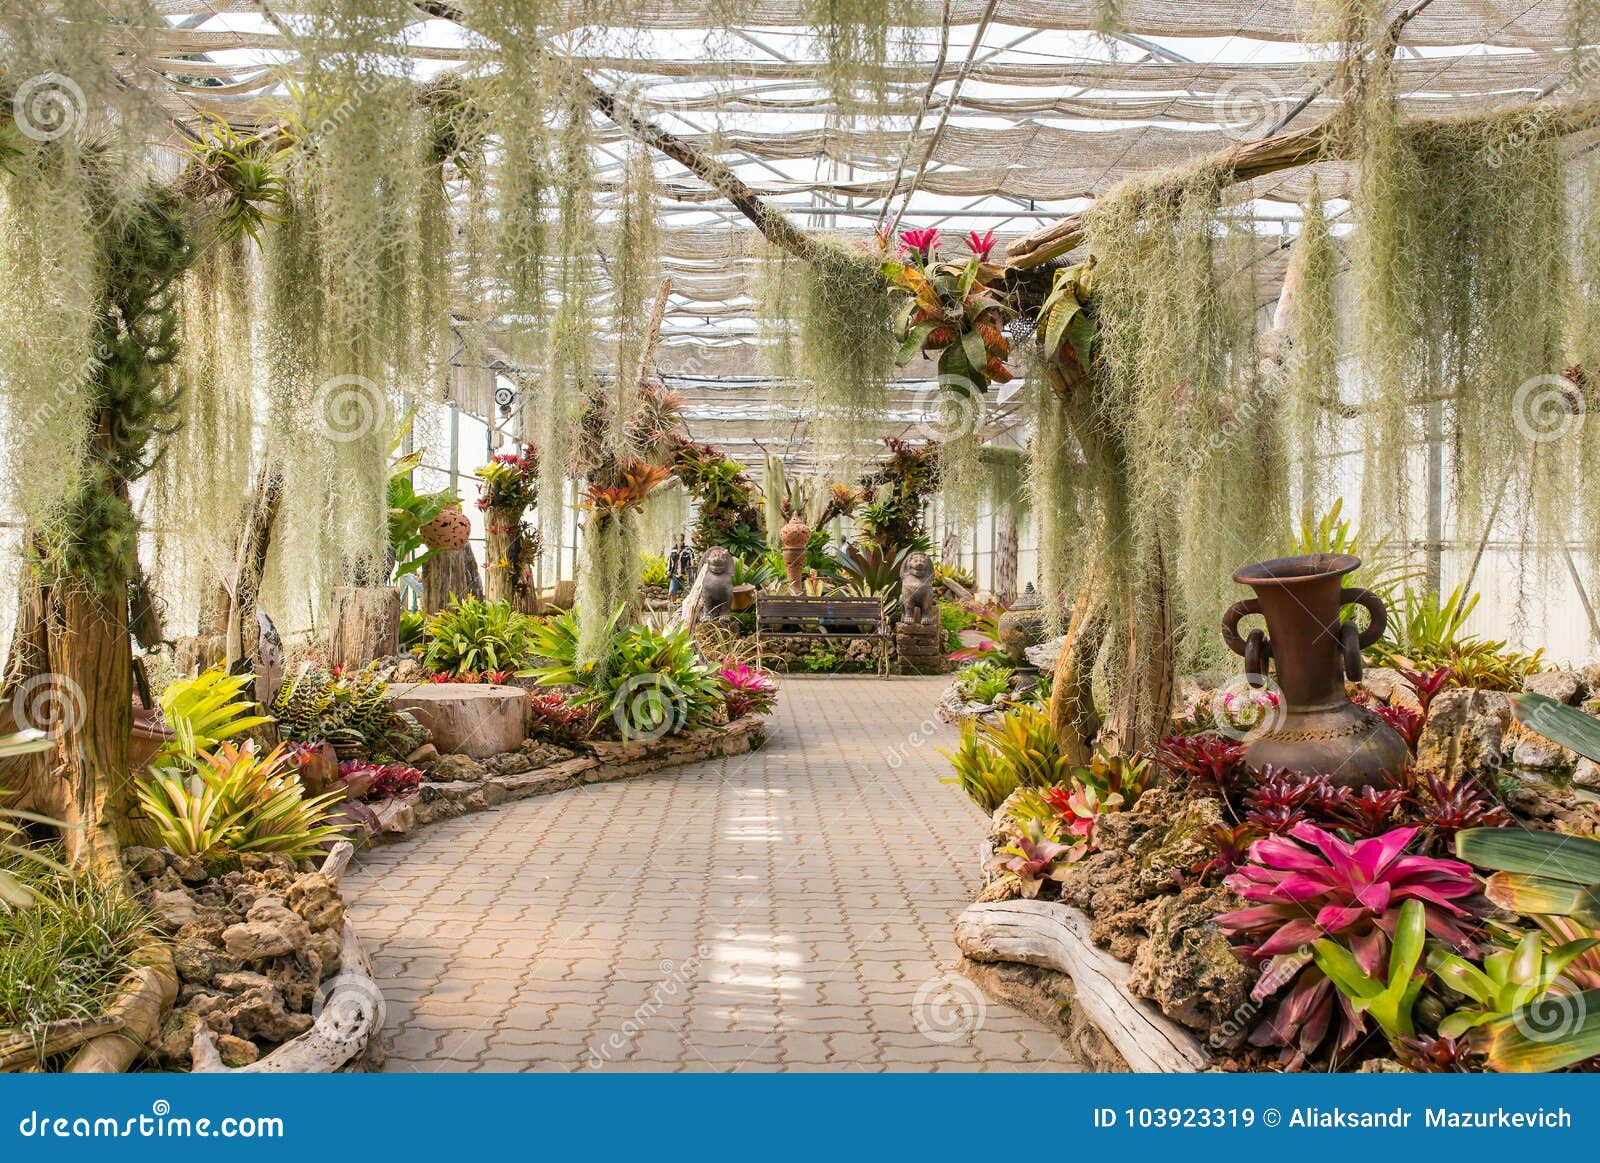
(352, 1010)
(450, 574)
(363, 624)
(1050, 935)
(146, 994)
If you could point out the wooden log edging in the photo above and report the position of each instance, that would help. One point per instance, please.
(1053, 936)
(352, 1010)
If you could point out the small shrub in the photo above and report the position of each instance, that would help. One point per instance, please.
(476, 635)
(984, 681)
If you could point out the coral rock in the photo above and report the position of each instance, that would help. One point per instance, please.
(1465, 732)
(316, 899)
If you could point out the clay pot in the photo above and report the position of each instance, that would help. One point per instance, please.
(794, 539)
(1311, 653)
(744, 598)
(449, 530)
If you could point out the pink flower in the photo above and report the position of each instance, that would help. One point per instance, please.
(980, 244)
(924, 242)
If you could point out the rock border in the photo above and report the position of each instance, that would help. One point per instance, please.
(607, 762)
(1054, 937)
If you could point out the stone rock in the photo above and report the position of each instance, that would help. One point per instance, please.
(199, 962)
(173, 1041)
(270, 930)
(457, 769)
(1187, 966)
(1586, 775)
(476, 719)
(409, 670)
(148, 862)
(1044, 655)
(266, 861)
(1385, 684)
(259, 1014)
(173, 909)
(316, 899)
(1529, 750)
(1465, 732)
(511, 763)
(1564, 686)
(241, 981)
(236, 1052)
(427, 753)
(188, 868)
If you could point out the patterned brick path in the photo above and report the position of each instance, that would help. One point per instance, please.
(786, 910)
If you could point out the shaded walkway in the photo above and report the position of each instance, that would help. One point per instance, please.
(789, 909)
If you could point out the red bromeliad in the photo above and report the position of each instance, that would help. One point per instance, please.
(980, 244)
(1309, 885)
(923, 242)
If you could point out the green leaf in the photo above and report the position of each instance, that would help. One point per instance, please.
(977, 356)
(1549, 855)
(1551, 1032)
(1056, 325)
(1559, 723)
(1081, 334)
(1545, 896)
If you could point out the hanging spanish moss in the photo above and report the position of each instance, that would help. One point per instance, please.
(827, 322)
(49, 275)
(1177, 390)
(608, 578)
(635, 273)
(857, 41)
(962, 482)
(199, 489)
(665, 516)
(1054, 471)
(569, 376)
(1309, 372)
(1461, 282)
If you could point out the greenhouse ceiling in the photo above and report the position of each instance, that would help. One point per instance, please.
(1009, 116)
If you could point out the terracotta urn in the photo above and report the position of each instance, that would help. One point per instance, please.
(793, 540)
(1310, 652)
(146, 736)
(449, 530)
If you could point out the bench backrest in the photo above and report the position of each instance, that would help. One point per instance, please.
(817, 608)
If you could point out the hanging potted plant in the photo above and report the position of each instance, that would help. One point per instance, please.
(950, 308)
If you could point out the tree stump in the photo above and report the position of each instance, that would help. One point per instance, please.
(919, 649)
(476, 719)
(450, 573)
(363, 624)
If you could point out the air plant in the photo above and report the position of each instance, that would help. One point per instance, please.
(1426, 684)
(1078, 806)
(1371, 810)
(1444, 809)
(1206, 764)
(510, 480)
(1036, 858)
(949, 308)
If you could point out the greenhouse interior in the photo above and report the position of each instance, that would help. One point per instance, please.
(1044, 537)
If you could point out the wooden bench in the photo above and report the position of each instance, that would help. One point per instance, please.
(816, 616)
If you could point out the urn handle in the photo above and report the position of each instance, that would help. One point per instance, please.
(1258, 646)
(1353, 641)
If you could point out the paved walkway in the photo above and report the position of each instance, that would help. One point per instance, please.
(786, 910)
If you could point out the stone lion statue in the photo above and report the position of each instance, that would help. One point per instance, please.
(916, 591)
(716, 588)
